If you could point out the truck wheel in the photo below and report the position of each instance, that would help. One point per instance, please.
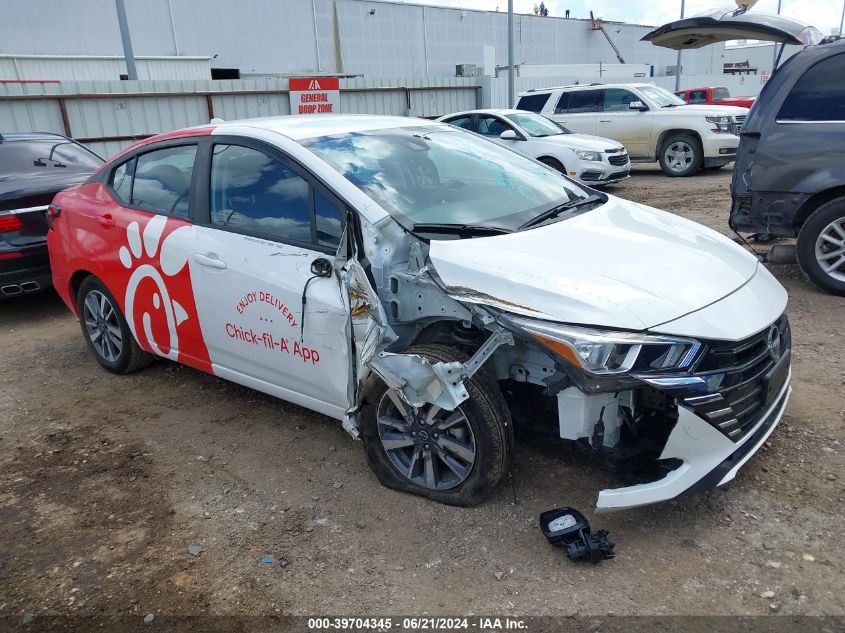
(821, 247)
(453, 457)
(106, 331)
(681, 155)
(553, 163)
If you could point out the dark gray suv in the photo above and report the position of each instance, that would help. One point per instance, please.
(789, 176)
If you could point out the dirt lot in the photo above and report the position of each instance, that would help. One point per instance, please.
(106, 480)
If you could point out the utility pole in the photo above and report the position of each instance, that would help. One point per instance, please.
(510, 54)
(131, 71)
(678, 62)
(775, 46)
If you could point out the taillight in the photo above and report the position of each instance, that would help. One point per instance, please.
(53, 211)
(10, 223)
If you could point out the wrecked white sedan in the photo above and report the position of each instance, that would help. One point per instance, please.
(436, 293)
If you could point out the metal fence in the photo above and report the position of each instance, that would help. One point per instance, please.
(108, 116)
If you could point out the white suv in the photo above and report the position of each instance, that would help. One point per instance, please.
(652, 123)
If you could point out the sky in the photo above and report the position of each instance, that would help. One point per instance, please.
(823, 14)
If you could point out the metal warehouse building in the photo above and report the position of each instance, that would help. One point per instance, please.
(244, 38)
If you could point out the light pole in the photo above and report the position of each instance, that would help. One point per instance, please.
(678, 62)
(510, 54)
(842, 19)
(131, 72)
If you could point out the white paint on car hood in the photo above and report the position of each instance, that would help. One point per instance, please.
(621, 265)
(583, 141)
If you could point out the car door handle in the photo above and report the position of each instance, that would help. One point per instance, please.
(210, 260)
(604, 120)
(105, 220)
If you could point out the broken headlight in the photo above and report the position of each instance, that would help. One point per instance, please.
(604, 352)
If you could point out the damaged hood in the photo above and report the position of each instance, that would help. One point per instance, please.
(622, 265)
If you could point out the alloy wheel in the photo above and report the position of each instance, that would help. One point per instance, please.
(679, 156)
(432, 447)
(830, 249)
(102, 325)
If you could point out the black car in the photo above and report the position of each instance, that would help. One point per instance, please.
(33, 169)
(789, 176)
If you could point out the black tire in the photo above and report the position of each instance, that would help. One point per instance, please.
(130, 357)
(810, 234)
(553, 163)
(485, 411)
(696, 159)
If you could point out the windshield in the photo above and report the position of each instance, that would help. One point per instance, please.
(31, 156)
(432, 174)
(536, 125)
(661, 97)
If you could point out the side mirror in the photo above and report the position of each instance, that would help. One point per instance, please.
(321, 267)
(509, 135)
(637, 105)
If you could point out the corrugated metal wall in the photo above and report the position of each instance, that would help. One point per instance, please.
(107, 111)
(378, 39)
(88, 68)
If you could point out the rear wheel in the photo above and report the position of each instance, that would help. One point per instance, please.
(553, 163)
(821, 247)
(106, 331)
(454, 457)
(681, 155)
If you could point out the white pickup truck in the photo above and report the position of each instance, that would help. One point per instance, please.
(652, 123)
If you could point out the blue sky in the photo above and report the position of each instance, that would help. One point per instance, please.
(824, 14)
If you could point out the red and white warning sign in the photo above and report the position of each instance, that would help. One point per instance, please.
(314, 95)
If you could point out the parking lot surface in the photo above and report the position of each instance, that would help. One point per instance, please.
(105, 482)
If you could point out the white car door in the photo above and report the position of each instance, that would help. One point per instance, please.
(251, 262)
(618, 121)
(578, 110)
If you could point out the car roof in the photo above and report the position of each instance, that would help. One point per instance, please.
(497, 111)
(302, 126)
(595, 86)
(30, 136)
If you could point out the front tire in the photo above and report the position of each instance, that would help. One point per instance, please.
(106, 331)
(453, 457)
(553, 163)
(681, 155)
(821, 247)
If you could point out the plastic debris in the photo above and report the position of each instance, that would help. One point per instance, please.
(569, 529)
(269, 560)
(194, 550)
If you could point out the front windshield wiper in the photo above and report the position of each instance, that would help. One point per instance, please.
(467, 229)
(561, 208)
(671, 105)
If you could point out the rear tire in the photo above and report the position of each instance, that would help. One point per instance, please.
(821, 247)
(479, 454)
(106, 331)
(681, 155)
(553, 163)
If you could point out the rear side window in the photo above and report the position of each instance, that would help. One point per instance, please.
(532, 103)
(162, 182)
(121, 181)
(579, 102)
(819, 95)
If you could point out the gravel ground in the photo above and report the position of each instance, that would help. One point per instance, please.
(106, 481)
